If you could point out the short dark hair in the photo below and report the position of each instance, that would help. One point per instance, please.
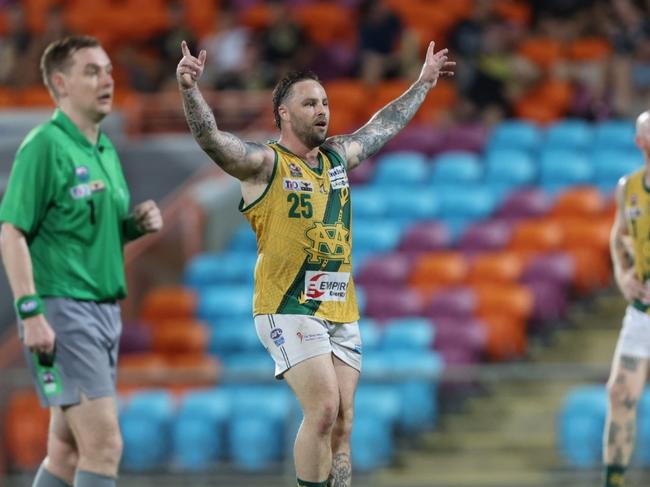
(58, 56)
(283, 88)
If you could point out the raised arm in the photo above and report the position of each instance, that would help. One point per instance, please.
(388, 121)
(243, 160)
(623, 254)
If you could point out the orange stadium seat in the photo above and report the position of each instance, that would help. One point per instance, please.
(36, 96)
(434, 270)
(441, 98)
(590, 49)
(350, 95)
(382, 94)
(256, 17)
(509, 299)
(201, 16)
(189, 371)
(179, 336)
(164, 303)
(501, 267)
(585, 202)
(430, 24)
(515, 11)
(343, 121)
(534, 109)
(36, 11)
(8, 97)
(140, 370)
(592, 269)
(506, 336)
(25, 430)
(327, 23)
(537, 236)
(543, 51)
(589, 233)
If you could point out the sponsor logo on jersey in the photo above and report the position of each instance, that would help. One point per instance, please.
(97, 185)
(295, 170)
(326, 286)
(82, 173)
(298, 185)
(80, 191)
(328, 242)
(338, 177)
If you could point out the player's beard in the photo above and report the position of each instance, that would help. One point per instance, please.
(309, 136)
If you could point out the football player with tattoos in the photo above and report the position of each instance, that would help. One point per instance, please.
(630, 246)
(296, 196)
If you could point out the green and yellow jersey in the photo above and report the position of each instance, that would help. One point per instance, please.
(302, 222)
(637, 217)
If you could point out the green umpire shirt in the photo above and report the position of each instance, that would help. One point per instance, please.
(70, 199)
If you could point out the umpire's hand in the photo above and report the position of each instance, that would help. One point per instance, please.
(148, 217)
(39, 335)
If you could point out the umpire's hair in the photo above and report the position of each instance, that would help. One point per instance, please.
(58, 56)
(283, 89)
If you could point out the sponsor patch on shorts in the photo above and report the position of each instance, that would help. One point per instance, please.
(326, 286)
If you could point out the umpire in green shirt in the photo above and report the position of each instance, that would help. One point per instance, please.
(66, 219)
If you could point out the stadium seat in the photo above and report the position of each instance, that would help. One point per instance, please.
(371, 334)
(165, 303)
(386, 302)
(456, 167)
(369, 202)
(515, 134)
(555, 267)
(243, 240)
(25, 426)
(145, 423)
(248, 367)
(545, 52)
(510, 299)
(408, 334)
(215, 302)
(422, 138)
(388, 269)
(614, 135)
(406, 206)
(460, 339)
(562, 168)
(466, 201)
(237, 336)
(590, 49)
(425, 237)
(486, 235)
(435, 270)
(537, 235)
(506, 334)
(525, 203)
(509, 167)
(199, 429)
(581, 202)
(376, 236)
(179, 336)
(569, 134)
(468, 137)
(611, 164)
(401, 168)
(498, 267)
(452, 302)
(210, 269)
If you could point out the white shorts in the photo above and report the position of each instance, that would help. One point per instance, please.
(290, 339)
(634, 338)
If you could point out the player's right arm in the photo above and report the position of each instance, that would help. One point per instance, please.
(247, 161)
(39, 336)
(622, 252)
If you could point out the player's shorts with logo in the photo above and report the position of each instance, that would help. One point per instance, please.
(291, 339)
(634, 338)
(87, 340)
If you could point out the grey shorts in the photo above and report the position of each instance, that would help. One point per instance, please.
(87, 341)
(290, 339)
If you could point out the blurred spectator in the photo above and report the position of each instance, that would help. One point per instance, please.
(381, 35)
(231, 53)
(284, 45)
(15, 46)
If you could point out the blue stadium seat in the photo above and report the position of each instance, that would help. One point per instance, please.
(376, 235)
(581, 425)
(248, 367)
(211, 269)
(258, 426)
(234, 337)
(615, 134)
(456, 167)
(243, 240)
(560, 169)
(371, 442)
(370, 334)
(145, 422)
(361, 294)
(515, 134)
(408, 334)
(611, 164)
(510, 168)
(199, 429)
(466, 201)
(369, 202)
(399, 168)
(406, 205)
(216, 302)
(569, 134)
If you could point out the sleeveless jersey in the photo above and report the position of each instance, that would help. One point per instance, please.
(302, 223)
(637, 216)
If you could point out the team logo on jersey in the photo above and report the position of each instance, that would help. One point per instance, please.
(328, 242)
(276, 336)
(338, 177)
(82, 173)
(96, 186)
(295, 170)
(297, 185)
(80, 191)
(326, 286)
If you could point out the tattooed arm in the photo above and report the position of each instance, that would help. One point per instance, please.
(388, 121)
(247, 161)
(622, 252)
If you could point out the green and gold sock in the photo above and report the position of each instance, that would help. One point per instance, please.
(304, 483)
(614, 476)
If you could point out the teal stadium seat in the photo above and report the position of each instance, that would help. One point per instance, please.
(199, 429)
(611, 164)
(211, 269)
(615, 134)
(509, 168)
(562, 168)
(145, 422)
(569, 134)
(225, 300)
(515, 134)
(369, 202)
(235, 335)
(408, 334)
(399, 168)
(376, 236)
(456, 167)
(243, 240)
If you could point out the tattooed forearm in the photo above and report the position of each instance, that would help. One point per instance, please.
(341, 475)
(198, 114)
(383, 126)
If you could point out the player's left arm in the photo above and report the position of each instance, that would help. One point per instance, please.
(388, 121)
